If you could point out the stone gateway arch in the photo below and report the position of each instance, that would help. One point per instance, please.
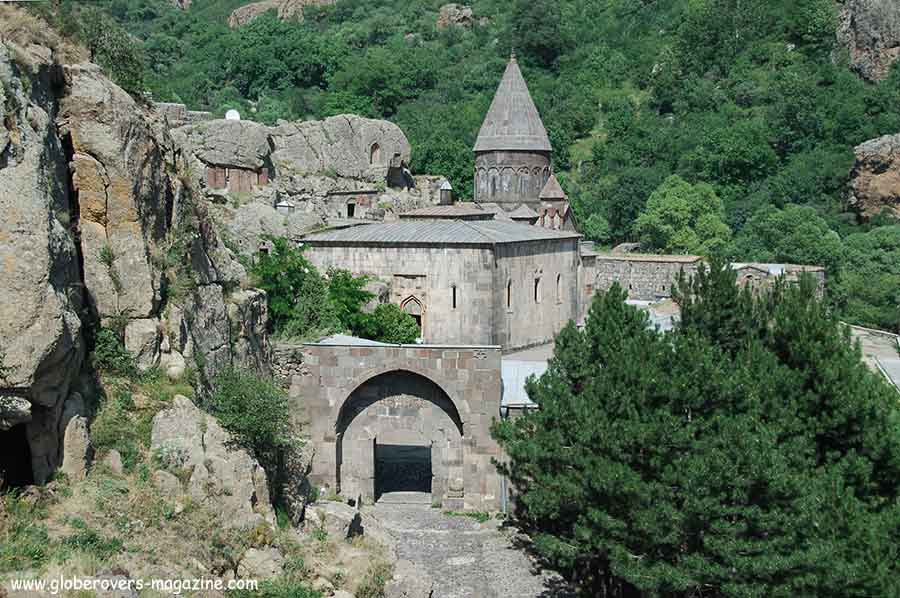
(394, 418)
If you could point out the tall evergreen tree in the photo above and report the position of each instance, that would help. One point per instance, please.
(747, 453)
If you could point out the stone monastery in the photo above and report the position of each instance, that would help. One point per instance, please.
(490, 283)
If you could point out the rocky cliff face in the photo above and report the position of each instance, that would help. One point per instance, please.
(870, 31)
(286, 9)
(101, 227)
(311, 170)
(875, 179)
(41, 341)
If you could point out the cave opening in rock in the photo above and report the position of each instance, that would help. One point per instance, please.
(402, 468)
(15, 459)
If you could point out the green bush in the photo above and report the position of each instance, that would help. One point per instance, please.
(110, 355)
(255, 410)
(297, 295)
(388, 324)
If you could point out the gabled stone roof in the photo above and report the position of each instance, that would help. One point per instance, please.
(512, 122)
(552, 191)
(523, 212)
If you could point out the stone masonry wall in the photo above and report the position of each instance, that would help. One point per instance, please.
(644, 277)
(520, 320)
(436, 270)
(469, 376)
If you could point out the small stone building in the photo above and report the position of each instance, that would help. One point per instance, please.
(645, 277)
(471, 282)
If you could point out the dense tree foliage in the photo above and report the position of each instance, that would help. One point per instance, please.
(683, 218)
(750, 97)
(303, 304)
(747, 453)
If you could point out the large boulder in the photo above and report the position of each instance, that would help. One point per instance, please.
(41, 346)
(142, 341)
(875, 179)
(77, 451)
(346, 145)
(261, 563)
(223, 477)
(339, 520)
(870, 31)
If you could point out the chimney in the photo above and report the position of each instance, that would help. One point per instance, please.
(446, 193)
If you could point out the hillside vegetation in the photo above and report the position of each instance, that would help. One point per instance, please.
(750, 103)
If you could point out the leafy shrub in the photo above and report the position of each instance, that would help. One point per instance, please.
(110, 355)
(255, 410)
(388, 324)
(348, 296)
(297, 295)
(377, 576)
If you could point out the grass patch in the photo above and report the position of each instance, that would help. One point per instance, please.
(24, 540)
(479, 516)
(377, 576)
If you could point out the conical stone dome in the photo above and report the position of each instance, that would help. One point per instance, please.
(512, 122)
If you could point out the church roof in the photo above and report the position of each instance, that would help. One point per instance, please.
(552, 191)
(523, 212)
(463, 211)
(421, 232)
(512, 122)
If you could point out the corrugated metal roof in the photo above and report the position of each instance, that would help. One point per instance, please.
(512, 122)
(437, 232)
(513, 375)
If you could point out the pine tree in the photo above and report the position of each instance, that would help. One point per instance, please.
(747, 453)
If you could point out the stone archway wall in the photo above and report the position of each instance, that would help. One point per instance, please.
(398, 408)
(328, 376)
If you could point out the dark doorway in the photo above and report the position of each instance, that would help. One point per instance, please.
(351, 210)
(402, 468)
(15, 458)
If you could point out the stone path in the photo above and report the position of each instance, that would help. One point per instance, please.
(465, 558)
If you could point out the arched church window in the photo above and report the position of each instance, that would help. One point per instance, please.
(559, 292)
(509, 294)
(537, 289)
(453, 292)
(375, 154)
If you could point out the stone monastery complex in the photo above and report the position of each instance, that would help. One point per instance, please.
(490, 284)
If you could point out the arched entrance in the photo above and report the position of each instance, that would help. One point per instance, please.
(398, 432)
(413, 307)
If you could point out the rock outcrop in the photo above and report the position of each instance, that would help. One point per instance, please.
(220, 475)
(122, 187)
(875, 178)
(101, 225)
(455, 14)
(285, 9)
(870, 31)
(41, 342)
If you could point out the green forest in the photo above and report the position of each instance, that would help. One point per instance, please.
(721, 127)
